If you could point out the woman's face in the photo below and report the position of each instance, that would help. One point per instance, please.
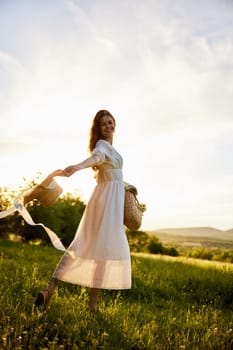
(107, 127)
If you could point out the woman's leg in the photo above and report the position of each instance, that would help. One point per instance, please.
(93, 298)
(52, 285)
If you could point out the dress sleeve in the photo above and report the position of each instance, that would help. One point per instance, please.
(96, 158)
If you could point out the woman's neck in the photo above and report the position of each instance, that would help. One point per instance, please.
(109, 140)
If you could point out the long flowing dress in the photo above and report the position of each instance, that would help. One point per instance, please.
(99, 255)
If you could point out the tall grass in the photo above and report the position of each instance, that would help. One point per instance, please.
(173, 304)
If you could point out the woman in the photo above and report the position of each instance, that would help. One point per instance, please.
(99, 255)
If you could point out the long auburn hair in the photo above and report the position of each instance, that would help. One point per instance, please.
(95, 128)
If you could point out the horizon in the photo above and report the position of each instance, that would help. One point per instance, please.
(192, 227)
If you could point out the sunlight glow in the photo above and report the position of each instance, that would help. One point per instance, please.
(158, 75)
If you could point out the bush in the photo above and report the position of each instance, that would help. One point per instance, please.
(63, 217)
(11, 223)
(201, 253)
(140, 241)
(223, 255)
(154, 246)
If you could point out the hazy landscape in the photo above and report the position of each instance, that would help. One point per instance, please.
(195, 236)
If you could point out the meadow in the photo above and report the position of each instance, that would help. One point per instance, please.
(175, 303)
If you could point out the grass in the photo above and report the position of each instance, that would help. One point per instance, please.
(174, 303)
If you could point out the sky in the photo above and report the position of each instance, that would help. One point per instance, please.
(164, 69)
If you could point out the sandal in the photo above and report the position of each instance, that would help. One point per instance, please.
(43, 297)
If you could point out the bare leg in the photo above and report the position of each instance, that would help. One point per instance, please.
(52, 285)
(44, 296)
(94, 293)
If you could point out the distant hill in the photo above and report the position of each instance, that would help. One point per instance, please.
(208, 232)
(229, 231)
(195, 236)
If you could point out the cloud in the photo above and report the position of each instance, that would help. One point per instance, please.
(81, 18)
(152, 54)
(10, 64)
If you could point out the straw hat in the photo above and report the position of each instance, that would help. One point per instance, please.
(46, 192)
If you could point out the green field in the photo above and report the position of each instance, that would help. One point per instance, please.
(174, 303)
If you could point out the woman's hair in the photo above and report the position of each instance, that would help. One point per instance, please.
(95, 128)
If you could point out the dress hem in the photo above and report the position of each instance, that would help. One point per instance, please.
(94, 285)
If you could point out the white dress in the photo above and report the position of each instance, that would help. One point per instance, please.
(99, 254)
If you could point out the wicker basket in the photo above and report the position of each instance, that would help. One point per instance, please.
(46, 193)
(132, 211)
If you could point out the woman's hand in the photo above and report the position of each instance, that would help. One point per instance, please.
(58, 172)
(70, 170)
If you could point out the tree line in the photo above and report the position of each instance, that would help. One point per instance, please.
(63, 217)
